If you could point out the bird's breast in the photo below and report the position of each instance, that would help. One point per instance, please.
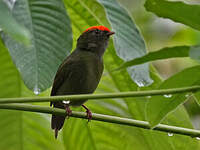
(90, 72)
(94, 71)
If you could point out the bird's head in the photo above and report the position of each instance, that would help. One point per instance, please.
(94, 39)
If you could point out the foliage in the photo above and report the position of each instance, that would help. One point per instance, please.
(11, 26)
(49, 25)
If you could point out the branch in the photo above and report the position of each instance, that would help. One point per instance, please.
(104, 118)
(100, 96)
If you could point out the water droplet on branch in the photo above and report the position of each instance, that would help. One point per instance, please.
(170, 134)
(167, 95)
(66, 102)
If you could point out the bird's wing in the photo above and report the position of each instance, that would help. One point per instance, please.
(77, 75)
(61, 76)
(63, 70)
(66, 82)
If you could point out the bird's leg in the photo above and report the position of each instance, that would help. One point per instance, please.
(89, 113)
(68, 110)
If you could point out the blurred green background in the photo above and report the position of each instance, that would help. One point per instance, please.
(158, 33)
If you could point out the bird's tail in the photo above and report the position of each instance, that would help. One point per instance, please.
(57, 121)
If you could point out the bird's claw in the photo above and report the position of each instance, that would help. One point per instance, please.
(68, 111)
(88, 112)
(89, 115)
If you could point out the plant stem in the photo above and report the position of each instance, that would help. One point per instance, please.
(104, 118)
(100, 96)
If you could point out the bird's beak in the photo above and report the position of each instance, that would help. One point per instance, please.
(110, 33)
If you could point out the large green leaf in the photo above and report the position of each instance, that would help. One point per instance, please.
(159, 106)
(21, 130)
(51, 41)
(10, 26)
(164, 53)
(8, 75)
(195, 53)
(10, 81)
(128, 42)
(78, 134)
(177, 11)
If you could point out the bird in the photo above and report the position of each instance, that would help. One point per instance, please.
(80, 72)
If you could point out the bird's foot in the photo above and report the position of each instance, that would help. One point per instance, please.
(89, 113)
(68, 111)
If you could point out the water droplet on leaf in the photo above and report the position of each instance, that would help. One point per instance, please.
(148, 96)
(36, 90)
(187, 95)
(140, 84)
(10, 3)
(139, 74)
(198, 138)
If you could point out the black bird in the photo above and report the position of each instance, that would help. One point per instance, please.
(80, 72)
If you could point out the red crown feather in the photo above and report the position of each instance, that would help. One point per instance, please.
(102, 28)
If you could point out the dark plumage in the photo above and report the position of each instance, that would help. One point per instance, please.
(81, 71)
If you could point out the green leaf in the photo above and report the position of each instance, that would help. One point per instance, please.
(159, 106)
(128, 41)
(176, 11)
(197, 98)
(164, 53)
(8, 75)
(10, 26)
(22, 130)
(51, 41)
(33, 131)
(9, 87)
(195, 53)
(98, 135)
